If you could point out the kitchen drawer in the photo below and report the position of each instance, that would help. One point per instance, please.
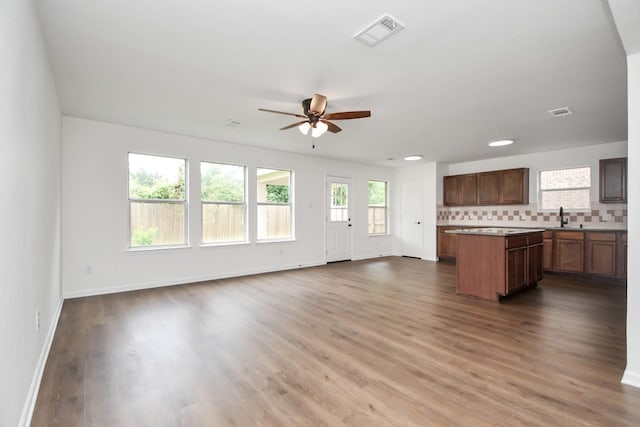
(534, 239)
(516, 242)
(570, 235)
(602, 237)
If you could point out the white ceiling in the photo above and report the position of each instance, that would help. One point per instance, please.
(460, 74)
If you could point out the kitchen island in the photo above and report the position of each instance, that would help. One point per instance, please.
(496, 262)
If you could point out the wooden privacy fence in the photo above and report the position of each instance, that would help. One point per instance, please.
(163, 223)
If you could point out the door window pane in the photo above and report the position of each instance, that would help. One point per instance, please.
(339, 201)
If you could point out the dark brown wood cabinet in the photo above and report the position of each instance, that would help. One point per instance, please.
(586, 253)
(503, 187)
(514, 186)
(460, 190)
(613, 180)
(489, 188)
(491, 266)
(548, 250)
(535, 262)
(621, 255)
(601, 248)
(447, 243)
(568, 248)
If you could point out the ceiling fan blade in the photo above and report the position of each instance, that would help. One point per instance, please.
(281, 112)
(318, 104)
(294, 125)
(331, 127)
(347, 115)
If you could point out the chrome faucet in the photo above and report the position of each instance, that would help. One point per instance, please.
(563, 221)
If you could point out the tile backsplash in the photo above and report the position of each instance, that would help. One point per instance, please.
(605, 216)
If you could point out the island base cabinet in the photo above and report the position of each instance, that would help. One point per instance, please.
(489, 267)
(516, 264)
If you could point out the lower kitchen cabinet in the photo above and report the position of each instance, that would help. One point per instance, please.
(447, 243)
(568, 251)
(517, 272)
(548, 250)
(601, 253)
(536, 261)
(586, 253)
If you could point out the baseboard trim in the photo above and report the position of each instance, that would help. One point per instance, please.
(631, 378)
(32, 396)
(185, 280)
(362, 257)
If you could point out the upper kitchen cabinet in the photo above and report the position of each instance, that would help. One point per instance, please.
(460, 190)
(503, 187)
(613, 180)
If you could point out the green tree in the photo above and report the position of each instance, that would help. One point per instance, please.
(277, 193)
(222, 183)
(147, 185)
(377, 193)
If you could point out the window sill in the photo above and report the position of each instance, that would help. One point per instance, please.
(379, 235)
(224, 244)
(260, 242)
(148, 249)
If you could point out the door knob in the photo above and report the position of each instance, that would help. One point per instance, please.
(418, 222)
(349, 225)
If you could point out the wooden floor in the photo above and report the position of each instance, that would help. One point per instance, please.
(382, 342)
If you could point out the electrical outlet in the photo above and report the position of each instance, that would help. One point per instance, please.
(37, 325)
(606, 217)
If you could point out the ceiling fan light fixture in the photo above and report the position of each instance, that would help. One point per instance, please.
(304, 128)
(318, 129)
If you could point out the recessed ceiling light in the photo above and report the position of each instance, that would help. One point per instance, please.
(413, 157)
(501, 143)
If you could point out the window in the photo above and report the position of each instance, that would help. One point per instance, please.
(157, 201)
(222, 189)
(377, 207)
(339, 201)
(569, 188)
(274, 204)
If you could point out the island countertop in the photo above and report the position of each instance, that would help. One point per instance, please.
(496, 231)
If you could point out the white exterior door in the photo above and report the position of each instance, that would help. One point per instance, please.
(338, 239)
(412, 223)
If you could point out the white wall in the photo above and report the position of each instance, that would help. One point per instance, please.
(632, 373)
(30, 213)
(95, 211)
(574, 157)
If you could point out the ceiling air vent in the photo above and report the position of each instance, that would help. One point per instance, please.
(561, 112)
(383, 28)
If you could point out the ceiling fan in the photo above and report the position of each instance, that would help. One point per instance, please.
(315, 119)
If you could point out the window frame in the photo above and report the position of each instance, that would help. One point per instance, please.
(185, 202)
(244, 203)
(385, 206)
(291, 204)
(541, 191)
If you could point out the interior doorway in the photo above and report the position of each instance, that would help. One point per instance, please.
(412, 223)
